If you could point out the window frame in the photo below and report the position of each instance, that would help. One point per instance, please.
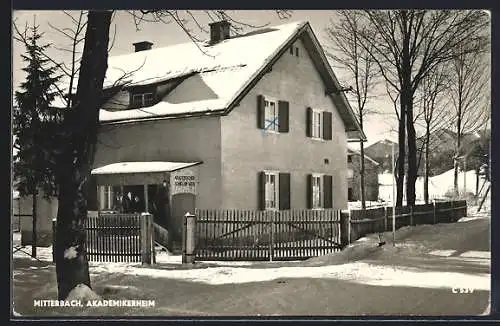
(319, 114)
(319, 201)
(275, 174)
(143, 102)
(276, 122)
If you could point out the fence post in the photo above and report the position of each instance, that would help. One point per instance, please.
(434, 211)
(146, 227)
(345, 230)
(189, 239)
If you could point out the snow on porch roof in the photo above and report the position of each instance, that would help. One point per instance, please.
(142, 167)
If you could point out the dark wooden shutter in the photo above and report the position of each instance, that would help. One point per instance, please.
(327, 125)
(309, 114)
(328, 191)
(283, 116)
(261, 191)
(261, 123)
(309, 191)
(284, 184)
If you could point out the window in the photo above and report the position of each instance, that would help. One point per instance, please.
(317, 191)
(291, 50)
(316, 124)
(297, 52)
(271, 190)
(142, 100)
(271, 115)
(349, 159)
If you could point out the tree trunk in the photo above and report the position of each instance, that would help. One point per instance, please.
(412, 154)
(457, 146)
(75, 164)
(400, 174)
(477, 182)
(362, 173)
(426, 165)
(34, 229)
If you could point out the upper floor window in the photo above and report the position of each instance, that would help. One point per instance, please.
(316, 124)
(349, 159)
(140, 100)
(319, 124)
(272, 114)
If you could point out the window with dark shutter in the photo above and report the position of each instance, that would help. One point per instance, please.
(261, 190)
(284, 192)
(283, 116)
(327, 125)
(328, 191)
(261, 116)
(309, 113)
(309, 186)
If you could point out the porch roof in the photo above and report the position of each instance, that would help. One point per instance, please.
(141, 167)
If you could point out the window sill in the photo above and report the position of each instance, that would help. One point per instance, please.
(318, 139)
(268, 131)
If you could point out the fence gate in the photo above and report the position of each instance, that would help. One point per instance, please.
(114, 238)
(266, 235)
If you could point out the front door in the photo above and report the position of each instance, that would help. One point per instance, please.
(160, 204)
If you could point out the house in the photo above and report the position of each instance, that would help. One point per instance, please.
(253, 121)
(354, 176)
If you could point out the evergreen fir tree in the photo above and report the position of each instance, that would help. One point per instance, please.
(34, 121)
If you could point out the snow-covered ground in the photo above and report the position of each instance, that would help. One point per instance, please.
(347, 265)
(439, 185)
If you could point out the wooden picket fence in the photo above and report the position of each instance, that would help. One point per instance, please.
(378, 220)
(119, 238)
(266, 235)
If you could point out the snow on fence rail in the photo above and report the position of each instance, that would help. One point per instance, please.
(379, 220)
(266, 235)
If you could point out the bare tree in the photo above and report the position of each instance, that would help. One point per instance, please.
(469, 92)
(81, 123)
(407, 45)
(434, 113)
(346, 50)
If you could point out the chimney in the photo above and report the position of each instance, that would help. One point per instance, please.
(142, 46)
(219, 31)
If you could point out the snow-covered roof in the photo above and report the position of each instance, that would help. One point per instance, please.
(218, 74)
(224, 68)
(354, 152)
(142, 167)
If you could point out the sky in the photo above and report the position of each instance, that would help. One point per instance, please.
(377, 126)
